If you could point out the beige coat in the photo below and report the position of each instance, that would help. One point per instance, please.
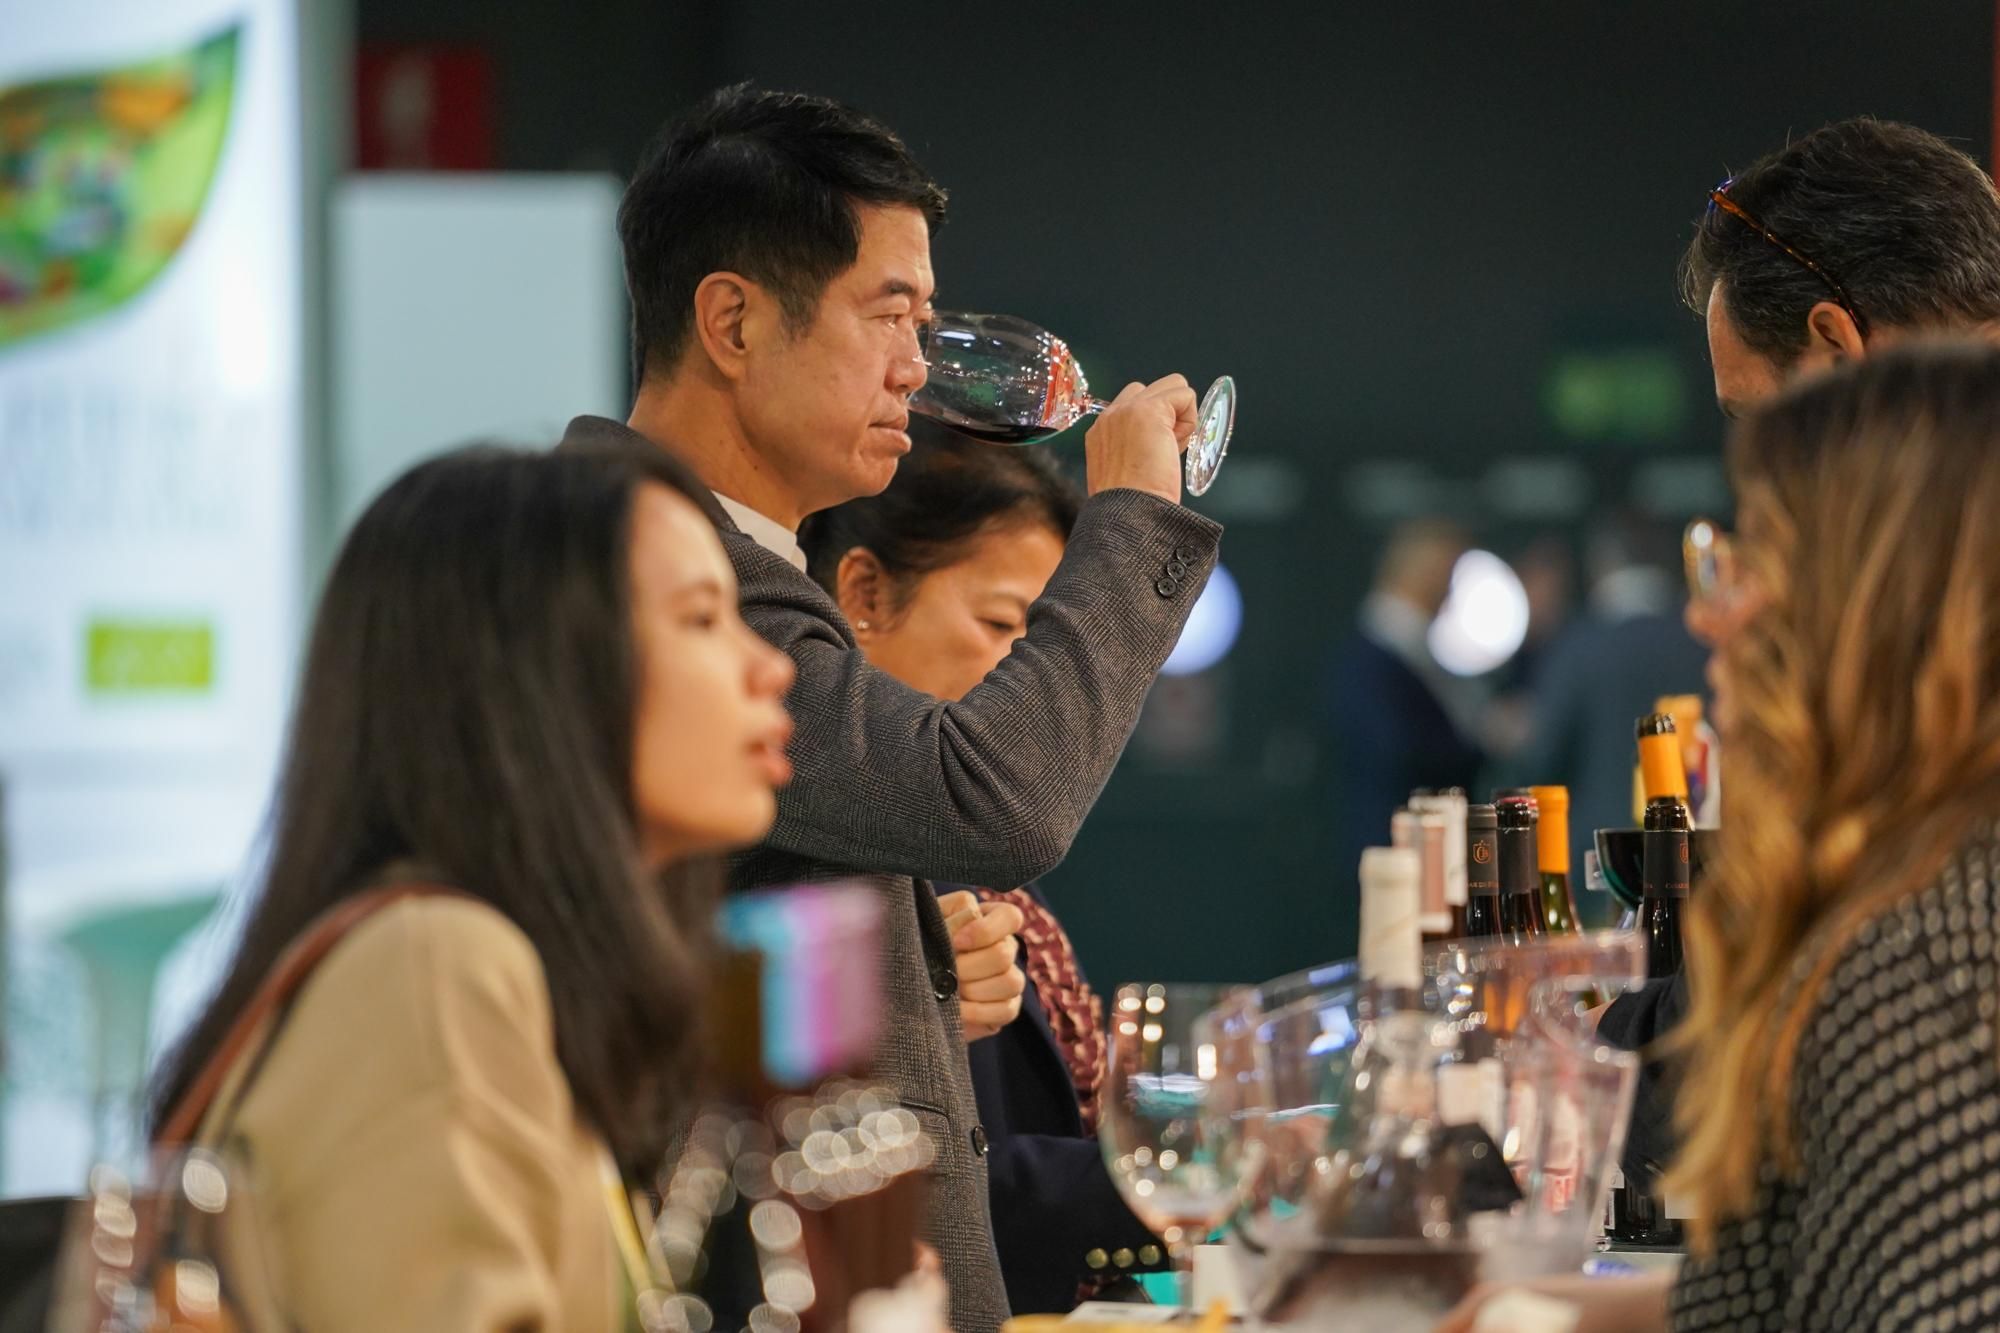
(416, 1157)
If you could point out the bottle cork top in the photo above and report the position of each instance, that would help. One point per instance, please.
(1660, 768)
(1552, 834)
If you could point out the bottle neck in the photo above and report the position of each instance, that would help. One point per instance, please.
(1664, 847)
(1520, 872)
(1552, 841)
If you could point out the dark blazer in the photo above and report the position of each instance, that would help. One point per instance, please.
(1635, 1021)
(894, 788)
(1391, 736)
(1057, 1217)
(1598, 679)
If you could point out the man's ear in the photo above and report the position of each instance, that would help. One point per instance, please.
(731, 316)
(861, 587)
(1832, 334)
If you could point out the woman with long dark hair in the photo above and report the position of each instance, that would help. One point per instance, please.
(1839, 1109)
(937, 575)
(527, 685)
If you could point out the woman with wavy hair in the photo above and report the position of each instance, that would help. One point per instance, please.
(1840, 1106)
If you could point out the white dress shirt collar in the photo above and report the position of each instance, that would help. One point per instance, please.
(768, 533)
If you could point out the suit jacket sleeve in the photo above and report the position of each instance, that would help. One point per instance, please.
(990, 788)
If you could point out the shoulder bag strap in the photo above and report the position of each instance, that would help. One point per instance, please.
(286, 977)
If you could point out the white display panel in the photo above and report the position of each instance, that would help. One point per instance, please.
(149, 449)
(150, 462)
(469, 307)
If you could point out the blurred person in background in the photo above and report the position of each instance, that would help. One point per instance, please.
(1391, 709)
(777, 257)
(1630, 648)
(939, 576)
(527, 690)
(1547, 572)
(1841, 1086)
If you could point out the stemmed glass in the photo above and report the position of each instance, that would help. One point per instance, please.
(1158, 1130)
(1002, 379)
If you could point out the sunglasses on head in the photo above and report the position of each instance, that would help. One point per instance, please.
(1719, 198)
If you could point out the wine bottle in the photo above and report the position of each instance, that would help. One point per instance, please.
(1392, 1184)
(1520, 872)
(1482, 871)
(1552, 851)
(1664, 849)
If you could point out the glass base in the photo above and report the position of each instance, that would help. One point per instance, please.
(1213, 427)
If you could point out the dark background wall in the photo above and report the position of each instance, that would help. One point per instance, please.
(1435, 243)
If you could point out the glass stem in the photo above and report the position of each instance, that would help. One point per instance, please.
(1182, 1253)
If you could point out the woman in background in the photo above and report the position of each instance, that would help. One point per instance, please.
(527, 685)
(937, 575)
(1840, 1110)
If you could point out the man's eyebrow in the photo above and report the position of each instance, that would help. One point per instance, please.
(902, 287)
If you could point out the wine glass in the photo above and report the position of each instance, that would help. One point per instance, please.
(1157, 1130)
(1002, 379)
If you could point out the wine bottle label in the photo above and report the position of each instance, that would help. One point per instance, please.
(1493, 1101)
(1461, 1089)
(1666, 870)
(1391, 943)
(1455, 884)
(1482, 868)
(1562, 1168)
(1436, 905)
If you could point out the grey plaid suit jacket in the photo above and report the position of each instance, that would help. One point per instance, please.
(897, 788)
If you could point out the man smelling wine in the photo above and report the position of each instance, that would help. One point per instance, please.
(777, 255)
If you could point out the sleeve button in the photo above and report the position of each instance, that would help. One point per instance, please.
(1177, 568)
(1166, 587)
(1149, 1255)
(1123, 1258)
(1096, 1259)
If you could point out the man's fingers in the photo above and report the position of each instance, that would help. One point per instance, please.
(983, 1020)
(998, 922)
(1005, 988)
(991, 961)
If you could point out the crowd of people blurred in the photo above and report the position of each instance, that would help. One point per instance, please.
(1561, 705)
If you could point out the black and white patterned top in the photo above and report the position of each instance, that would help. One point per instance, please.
(1895, 1221)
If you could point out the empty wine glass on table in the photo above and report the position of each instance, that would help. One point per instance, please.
(1003, 379)
(1158, 1128)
